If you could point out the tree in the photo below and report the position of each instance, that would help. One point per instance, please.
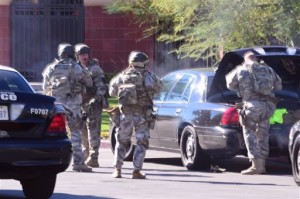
(206, 27)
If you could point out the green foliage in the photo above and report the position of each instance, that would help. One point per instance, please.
(109, 76)
(205, 27)
(105, 123)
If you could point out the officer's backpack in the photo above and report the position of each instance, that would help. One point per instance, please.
(132, 88)
(262, 77)
(60, 79)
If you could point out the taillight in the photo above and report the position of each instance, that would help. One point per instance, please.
(230, 117)
(58, 124)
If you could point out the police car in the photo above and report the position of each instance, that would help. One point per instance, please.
(34, 146)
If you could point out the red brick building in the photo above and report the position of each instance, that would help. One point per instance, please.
(112, 37)
(27, 46)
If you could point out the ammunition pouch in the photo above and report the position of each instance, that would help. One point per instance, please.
(127, 94)
(114, 115)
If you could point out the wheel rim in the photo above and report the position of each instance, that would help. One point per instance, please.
(297, 166)
(190, 147)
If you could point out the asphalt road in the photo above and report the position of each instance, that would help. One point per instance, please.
(167, 178)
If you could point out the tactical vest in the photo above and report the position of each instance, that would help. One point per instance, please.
(60, 78)
(132, 91)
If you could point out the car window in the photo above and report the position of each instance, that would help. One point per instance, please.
(168, 82)
(12, 81)
(182, 90)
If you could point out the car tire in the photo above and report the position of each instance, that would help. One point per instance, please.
(296, 161)
(192, 156)
(41, 187)
(129, 150)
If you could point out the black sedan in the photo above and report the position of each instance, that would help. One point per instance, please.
(34, 146)
(196, 116)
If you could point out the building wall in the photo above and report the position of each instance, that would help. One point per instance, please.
(113, 37)
(4, 35)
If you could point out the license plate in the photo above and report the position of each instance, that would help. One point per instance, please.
(3, 113)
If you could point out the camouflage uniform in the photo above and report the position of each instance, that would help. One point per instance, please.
(92, 108)
(134, 116)
(256, 111)
(74, 77)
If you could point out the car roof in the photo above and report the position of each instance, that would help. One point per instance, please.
(267, 50)
(3, 67)
(203, 71)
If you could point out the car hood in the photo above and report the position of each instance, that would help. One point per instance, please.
(284, 60)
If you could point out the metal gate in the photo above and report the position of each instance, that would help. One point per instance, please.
(37, 27)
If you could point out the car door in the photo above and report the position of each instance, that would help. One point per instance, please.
(168, 83)
(171, 108)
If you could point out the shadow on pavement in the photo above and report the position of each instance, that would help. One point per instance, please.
(17, 194)
(274, 166)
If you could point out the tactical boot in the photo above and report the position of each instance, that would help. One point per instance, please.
(92, 162)
(82, 168)
(261, 165)
(258, 167)
(117, 173)
(136, 174)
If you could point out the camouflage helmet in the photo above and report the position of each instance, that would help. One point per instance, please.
(137, 58)
(65, 50)
(82, 48)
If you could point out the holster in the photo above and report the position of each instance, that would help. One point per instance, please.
(150, 117)
(246, 122)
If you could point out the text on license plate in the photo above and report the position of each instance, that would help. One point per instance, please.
(3, 113)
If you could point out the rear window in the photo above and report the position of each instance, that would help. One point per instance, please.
(12, 81)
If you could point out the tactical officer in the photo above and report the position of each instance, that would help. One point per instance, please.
(134, 87)
(93, 100)
(258, 104)
(65, 79)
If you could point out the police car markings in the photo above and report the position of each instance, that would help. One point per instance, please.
(39, 111)
(8, 96)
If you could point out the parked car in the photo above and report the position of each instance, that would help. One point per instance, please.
(294, 149)
(34, 146)
(196, 116)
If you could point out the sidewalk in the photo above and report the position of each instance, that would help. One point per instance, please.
(105, 143)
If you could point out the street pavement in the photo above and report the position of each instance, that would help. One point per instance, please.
(168, 179)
